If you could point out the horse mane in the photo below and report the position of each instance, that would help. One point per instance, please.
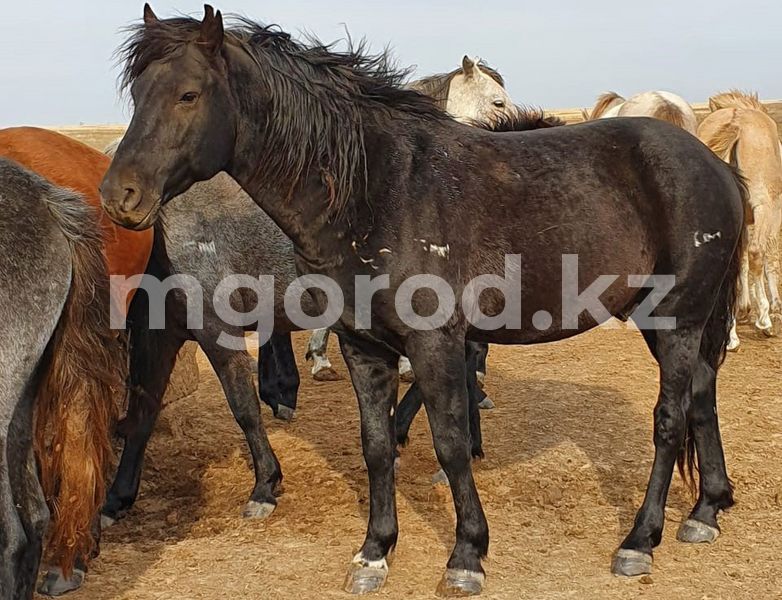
(437, 86)
(77, 400)
(603, 103)
(525, 119)
(723, 139)
(736, 99)
(319, 96)
(667, 111)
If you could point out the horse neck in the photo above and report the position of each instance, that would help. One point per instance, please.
(300, 209)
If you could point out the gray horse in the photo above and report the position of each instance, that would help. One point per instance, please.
(60, 369)
(212, 232)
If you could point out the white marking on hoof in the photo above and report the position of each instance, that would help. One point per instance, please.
(486, 404)
(696, 532)
(460, 583)
(406, 370)
(106, 521)
(285, 413)
(397, 463)
(440, 478)
(481, 377)
(631, 563)
(366, 576)
(258, 510)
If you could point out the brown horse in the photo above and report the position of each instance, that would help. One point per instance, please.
(70, 164)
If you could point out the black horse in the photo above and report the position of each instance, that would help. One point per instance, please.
(369, 179)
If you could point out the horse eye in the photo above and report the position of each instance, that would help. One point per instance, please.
(499, 103)
(188, 98)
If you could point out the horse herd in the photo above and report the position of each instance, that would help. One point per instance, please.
(359, 174)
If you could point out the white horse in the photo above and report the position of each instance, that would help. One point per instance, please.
(473, 94)
(658, 104)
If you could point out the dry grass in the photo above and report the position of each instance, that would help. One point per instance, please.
(568, 454)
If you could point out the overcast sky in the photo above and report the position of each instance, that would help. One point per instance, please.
(56, 63)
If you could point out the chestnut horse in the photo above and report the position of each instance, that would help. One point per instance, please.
(68, 163)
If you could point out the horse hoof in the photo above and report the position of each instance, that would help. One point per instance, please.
(733, 347)
(457, 583)
(285, 413)
(326, 374)
(407, 377)
(767, 331)
(481, 377)
(397, 464)
(56, 584)
(365, 577)
(486, 404)
(106, 521)
(695, 532)
(631, 563)
(258, 510)
(440, 478)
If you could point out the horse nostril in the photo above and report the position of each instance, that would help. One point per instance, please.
(131, 197)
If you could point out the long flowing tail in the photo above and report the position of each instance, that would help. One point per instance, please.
(716, 334)
(79, 396)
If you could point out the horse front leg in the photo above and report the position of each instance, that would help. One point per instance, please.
(278, 376)
(438, 359)
(373, 371)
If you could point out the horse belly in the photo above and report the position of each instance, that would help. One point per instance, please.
(566, 292)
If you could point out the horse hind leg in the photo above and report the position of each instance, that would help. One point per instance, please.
(715, 489)
(757, 260)
(317, 352)
(677, 353)
(235, 371)
(771, 271)
(24, 514)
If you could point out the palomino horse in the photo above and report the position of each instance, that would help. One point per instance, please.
(660, 105)
(61, 371)
(70, 164)
(308, 132)
(740, 131)
(473, 94)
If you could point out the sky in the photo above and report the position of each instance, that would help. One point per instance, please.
(56, 64)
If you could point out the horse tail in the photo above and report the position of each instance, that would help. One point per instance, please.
(76, 402)
(604, 102)
(716, 334)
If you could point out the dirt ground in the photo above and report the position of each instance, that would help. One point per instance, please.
(568, 452)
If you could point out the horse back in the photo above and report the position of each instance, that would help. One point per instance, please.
(70, 164)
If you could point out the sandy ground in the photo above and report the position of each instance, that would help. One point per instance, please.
(568, 451)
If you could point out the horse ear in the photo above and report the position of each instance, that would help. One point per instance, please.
(149, 16)
(469, 66)
(211, 36)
